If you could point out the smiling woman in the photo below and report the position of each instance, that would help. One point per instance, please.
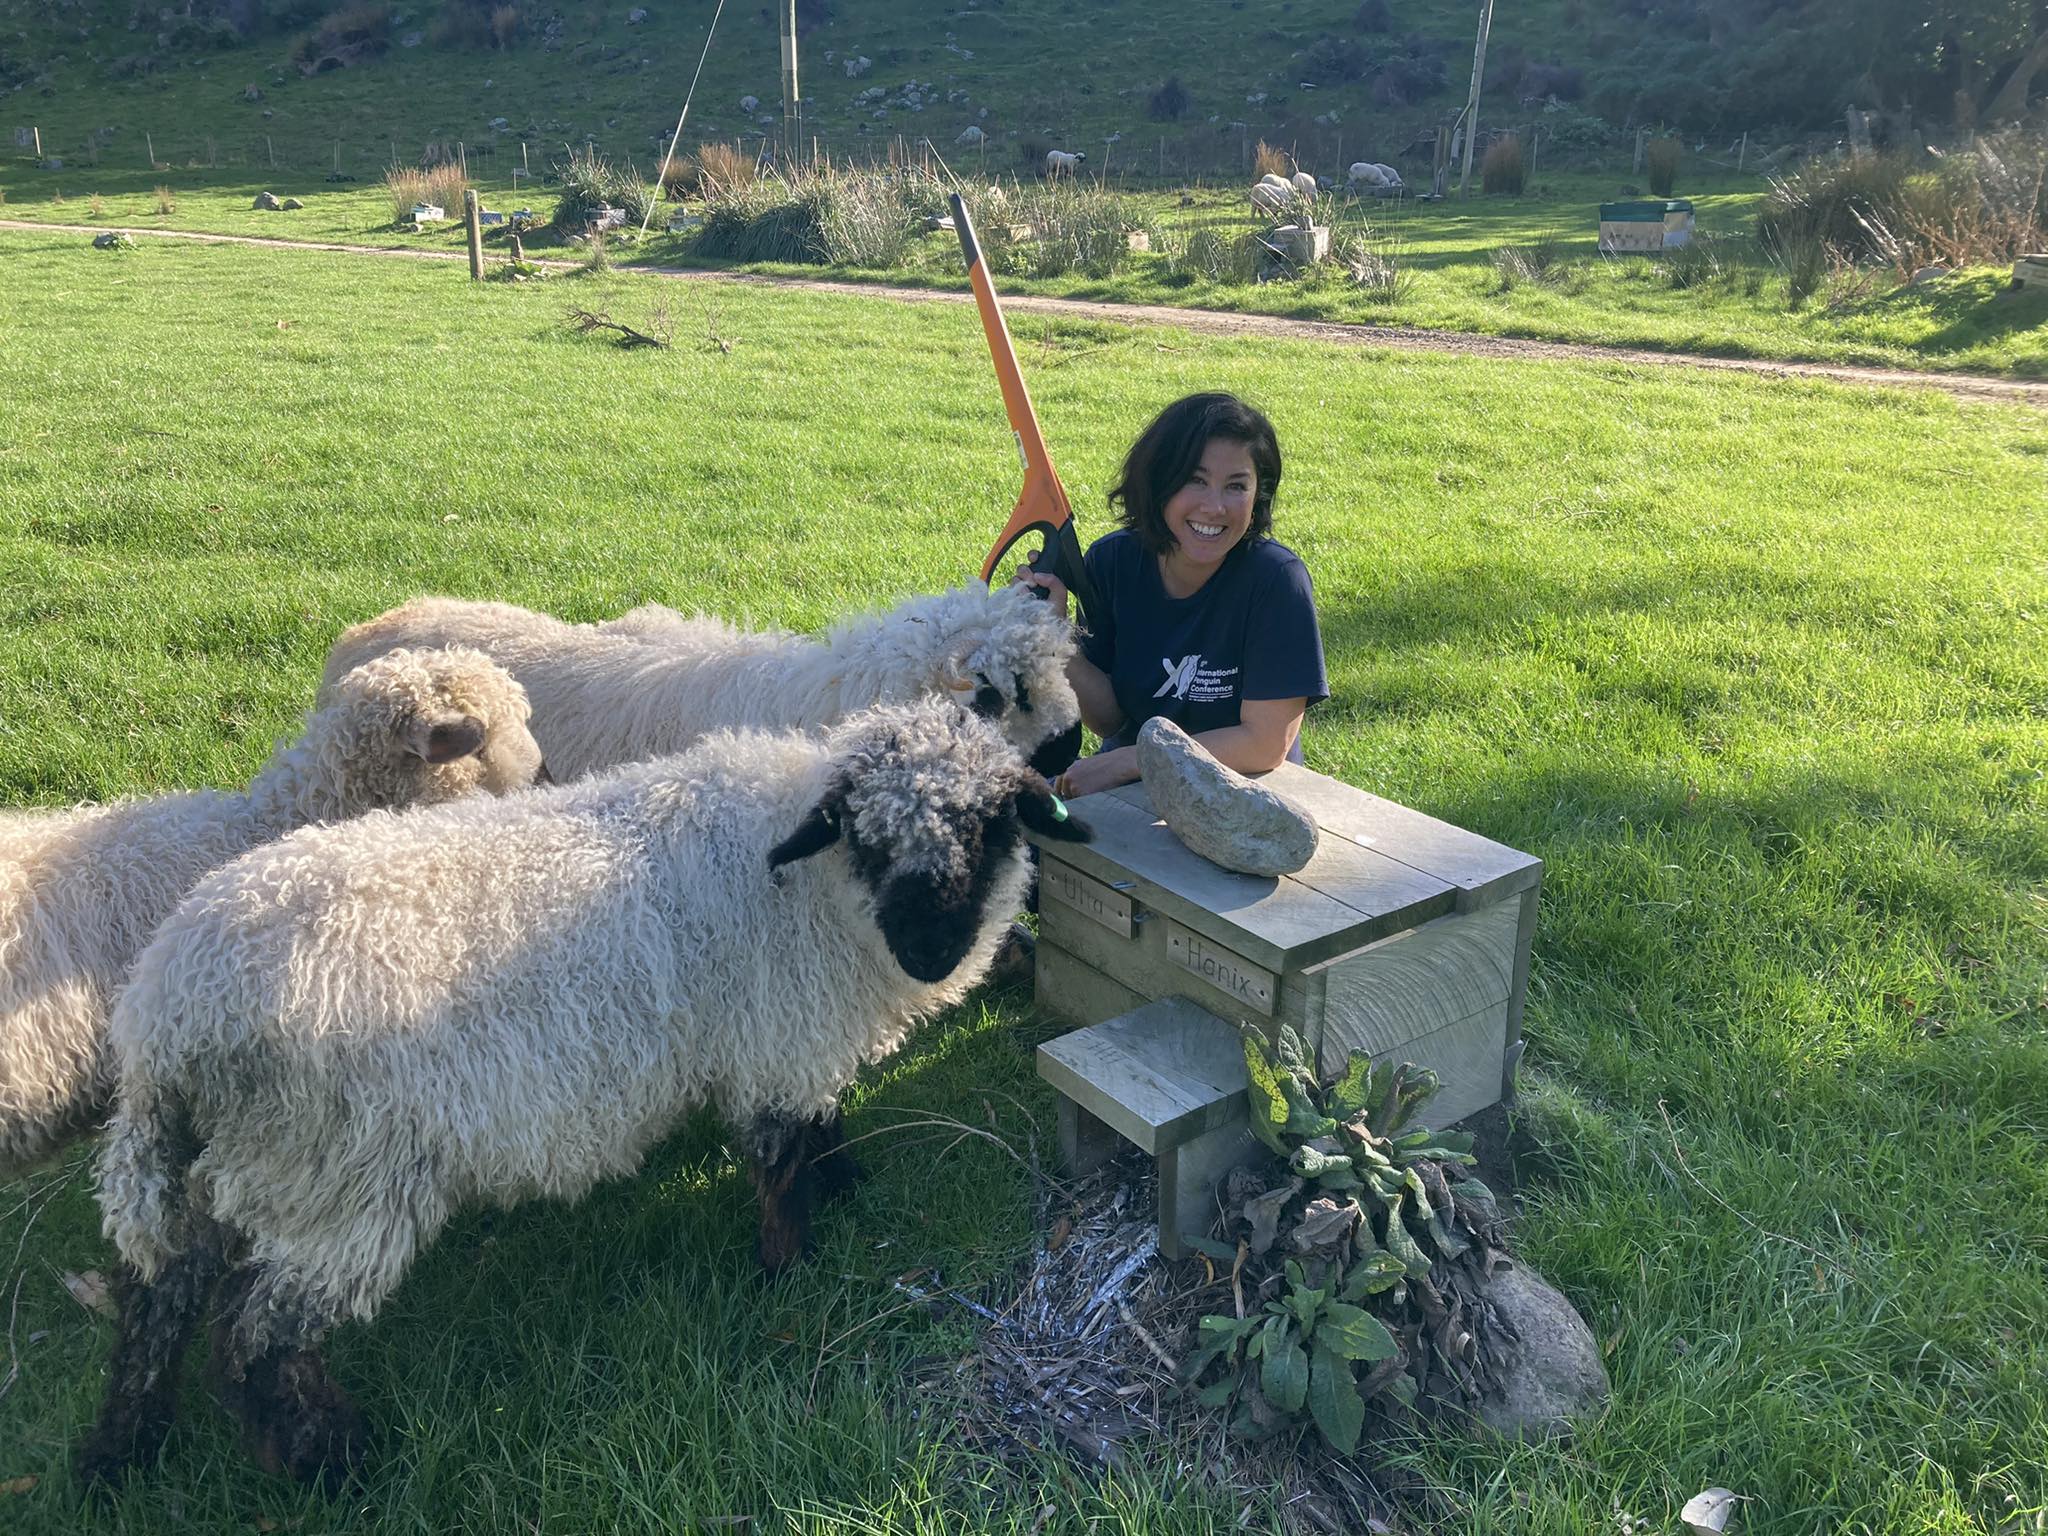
(1207, 619)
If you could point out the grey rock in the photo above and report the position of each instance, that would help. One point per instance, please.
(1554, 1372)
(113, 240)
(970, 135)
(1929, 274)
(858, 66)
(265, 200)
(412, 40)
(500, 124)
(635, 16)
(290, 203)
(748, 103)
(1219, 813)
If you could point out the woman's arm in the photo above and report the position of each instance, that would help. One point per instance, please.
(1100, 711)
(1258, 743)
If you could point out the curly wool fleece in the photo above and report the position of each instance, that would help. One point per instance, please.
(654, 681)
(82, 890)
(370, 1025)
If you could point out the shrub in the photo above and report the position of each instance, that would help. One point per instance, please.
(854, 218)
(1077, 227)
(1334, 60)
(1268, 161)
(1695, 264)
(98, 206)
(365, 27)
(1218, 254)
(1569, 131)
(1375, 263)
(1540, 82)
(714, 168)
(1536, 261)
(1169, 103)
(590, 182)
(506, 25)
(1660, 162)
(165, 201)
(1374, 16)
(1503, 171)
(1829, 202)
(1031, 153)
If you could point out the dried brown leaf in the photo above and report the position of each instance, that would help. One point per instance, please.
(18, 1484)
(91, 1291)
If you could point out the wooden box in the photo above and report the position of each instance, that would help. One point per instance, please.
(1404, 935)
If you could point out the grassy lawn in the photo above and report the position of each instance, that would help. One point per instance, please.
(1755, 666)
(1965, 322)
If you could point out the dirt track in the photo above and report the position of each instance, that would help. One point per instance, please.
(1218, 323)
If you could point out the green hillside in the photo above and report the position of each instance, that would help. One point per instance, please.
(1183, 85)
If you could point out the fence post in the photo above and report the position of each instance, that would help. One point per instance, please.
(476, 234)
(270, 151)
(1742, 154)
(149, 144)
(1642, 134)
(39, 141)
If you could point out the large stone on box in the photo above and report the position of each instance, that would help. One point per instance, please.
(1227, 818)
(1553, 1374)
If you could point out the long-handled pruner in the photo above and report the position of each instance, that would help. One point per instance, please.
(1042, 506)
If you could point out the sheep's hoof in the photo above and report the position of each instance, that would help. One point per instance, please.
(836, 1174)
(100, 1468)
(301, 1425)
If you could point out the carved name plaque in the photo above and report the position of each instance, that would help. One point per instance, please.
(1089, 897)
(1231, 974)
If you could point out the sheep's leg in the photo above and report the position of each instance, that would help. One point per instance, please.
(295, 1420)
(156, 1322)
(833, 1169)
(778, 1157)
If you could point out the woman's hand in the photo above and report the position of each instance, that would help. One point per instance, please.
(1105, 770)
(1052, 586)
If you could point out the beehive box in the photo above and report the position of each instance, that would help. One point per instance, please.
(1657, 225)
(1404, 935)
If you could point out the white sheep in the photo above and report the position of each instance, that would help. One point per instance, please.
(1304, 186)
(82, 890)
(1060, 162)
(1275, 194)
(654, 681)
(334, 1045)
(1372, 174)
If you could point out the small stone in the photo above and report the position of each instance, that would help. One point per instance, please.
(266, 200)
(1928, 274)
(1554, 1373)
(1706, 1513)
(636, 15)
(748, 103)
(500, 124)
(113, 240)
(290, 203)
(970, 135)
(1219, 813)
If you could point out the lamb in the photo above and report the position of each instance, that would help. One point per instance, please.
(336, 1043)
(82, 890)
(654, 681)
(1060, 162)
(1275, 194)
(1372, 174)
(1304, 186)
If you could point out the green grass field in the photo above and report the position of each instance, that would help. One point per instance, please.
(1755, 666)
(1966, 322)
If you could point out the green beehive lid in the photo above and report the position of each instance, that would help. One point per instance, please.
(1647, 212)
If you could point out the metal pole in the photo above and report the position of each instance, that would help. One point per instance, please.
(1472, 101)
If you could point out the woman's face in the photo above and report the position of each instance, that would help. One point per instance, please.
(1210, 514)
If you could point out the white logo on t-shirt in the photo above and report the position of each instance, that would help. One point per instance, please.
(1189, 680)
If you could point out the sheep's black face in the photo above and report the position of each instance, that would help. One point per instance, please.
(931, 907)
(1056, 754)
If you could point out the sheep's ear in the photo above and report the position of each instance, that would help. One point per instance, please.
(445, 740)
(819, 831)
(1044, 813)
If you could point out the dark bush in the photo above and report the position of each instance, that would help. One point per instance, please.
(1169, 103)
(363, 28)
(1334, 60)
(1540, 82)
(1660, 163)
(1504, 66)
(1374, 16)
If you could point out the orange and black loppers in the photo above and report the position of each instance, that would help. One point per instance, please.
(1042, 506)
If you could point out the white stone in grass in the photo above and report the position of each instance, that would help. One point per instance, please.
(1707, 1513)
(748, 103)
(1219, 813)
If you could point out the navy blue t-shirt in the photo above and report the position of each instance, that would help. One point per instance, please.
(1249, 633)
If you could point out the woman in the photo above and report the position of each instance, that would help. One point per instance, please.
(1207, 620)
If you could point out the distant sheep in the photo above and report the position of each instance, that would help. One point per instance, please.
(82, 890)
(655, 681)
(1304, 186)
(333, 1047)
(1060, 162)
(1371, 174)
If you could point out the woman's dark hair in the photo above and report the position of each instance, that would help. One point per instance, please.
(1166, 454)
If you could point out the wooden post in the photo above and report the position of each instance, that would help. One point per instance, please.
(522, 160)
(270, 151)
(462, 158)
(1535, 137)
(792, 101)
(1472, 101)
(1742, 154)
(1440, 167)
(39, 141)
(1642, 135)
(149, 144)
(475, 226)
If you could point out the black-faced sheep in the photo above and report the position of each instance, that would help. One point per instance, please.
(655, 681)
(82, 890)
(334, 1045)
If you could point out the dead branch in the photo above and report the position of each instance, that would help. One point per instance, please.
(587, 321)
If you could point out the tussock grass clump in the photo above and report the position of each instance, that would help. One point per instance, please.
(1268, 161)
(166, 200)
(853, 218)
(590, 182)
(1375, 262)
(1504, 171)
(98, 206)
(441, 185)
(1076, 227)
(1695, 264)
(1660, 164)
(1226, 254)
(1828, 202)
(712, 169)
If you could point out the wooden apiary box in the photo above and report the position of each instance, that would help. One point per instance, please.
(1404, 934)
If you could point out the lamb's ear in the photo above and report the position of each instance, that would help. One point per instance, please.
(819, 831)
(443, 741)
(1047, 815)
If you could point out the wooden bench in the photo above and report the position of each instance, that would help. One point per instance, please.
(1404, 935)
(1169, 1078)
